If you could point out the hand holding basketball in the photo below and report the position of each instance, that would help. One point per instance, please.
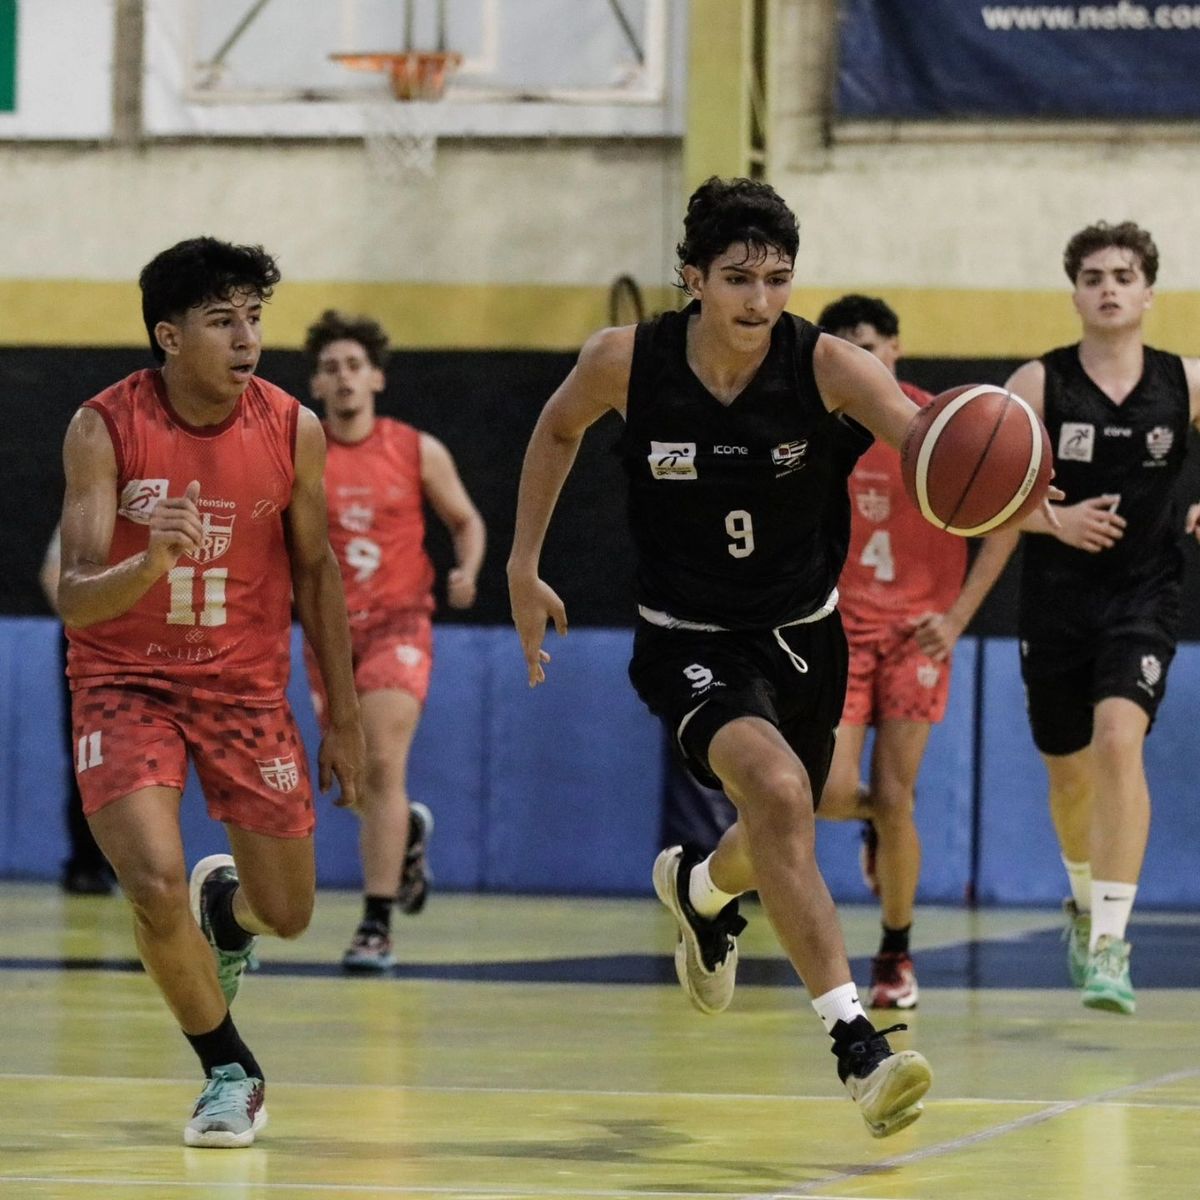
(975, 459)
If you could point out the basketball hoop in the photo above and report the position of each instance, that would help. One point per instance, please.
(400, 136)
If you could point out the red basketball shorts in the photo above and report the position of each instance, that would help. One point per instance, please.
(891, 680)
(392, 655)
(250, 761)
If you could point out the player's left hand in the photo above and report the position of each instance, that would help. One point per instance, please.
(460, 588)
(343, 755)
(1192, 524)
(936, 634)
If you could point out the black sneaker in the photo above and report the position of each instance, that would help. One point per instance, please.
(706, 952)
(887, 1086)
(415, 878)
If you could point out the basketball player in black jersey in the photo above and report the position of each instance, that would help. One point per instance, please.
(737, 449)
(1100, 595)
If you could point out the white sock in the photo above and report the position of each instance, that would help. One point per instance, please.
(840, 1004)
(1080, 875)
(705, 897)
(1111, 905)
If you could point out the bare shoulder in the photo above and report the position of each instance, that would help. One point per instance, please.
(88, 440)
(607, 356)
(1191, 371)
(1029, 382)
(310, 442)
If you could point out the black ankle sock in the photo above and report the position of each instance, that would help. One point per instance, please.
(377, 910)
(222, 1046)
(218, 899)
(895, 941)
(858, 1030)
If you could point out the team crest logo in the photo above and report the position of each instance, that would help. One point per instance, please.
(789, 454)
(1076, 441)
(356, 518)
(410, 656)
(139, 497)
(1159, 442)
(928, 675)
(672, 460)
(279, 774)
(218, 534)
(1151, 669)
(874, 506)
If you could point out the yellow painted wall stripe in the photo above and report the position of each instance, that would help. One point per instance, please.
(935, 322)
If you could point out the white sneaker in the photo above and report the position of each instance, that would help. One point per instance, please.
(706, 954)
(886, 1085)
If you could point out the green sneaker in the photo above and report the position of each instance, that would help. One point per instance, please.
(1107, 984)
(231, 964)
(230, 1110)
(1077, 935)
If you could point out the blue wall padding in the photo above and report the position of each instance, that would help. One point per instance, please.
(559, 788)
(575, 768)
(1019, 859)
(944, 801)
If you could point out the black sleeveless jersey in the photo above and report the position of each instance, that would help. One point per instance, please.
(740, 513)
(1135, 450)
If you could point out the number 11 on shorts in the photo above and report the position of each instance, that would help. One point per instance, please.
(88, 752)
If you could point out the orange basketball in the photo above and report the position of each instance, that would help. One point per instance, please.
(976, 458)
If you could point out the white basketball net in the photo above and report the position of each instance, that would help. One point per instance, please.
(400, 138)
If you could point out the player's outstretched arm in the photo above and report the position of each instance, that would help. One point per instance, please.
(321, 606)
(855, 382)
(89, 590)
(598, 381)
(448, 497)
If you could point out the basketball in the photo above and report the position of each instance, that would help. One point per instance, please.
(975, 459)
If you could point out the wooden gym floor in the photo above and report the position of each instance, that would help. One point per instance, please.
(540, 1048)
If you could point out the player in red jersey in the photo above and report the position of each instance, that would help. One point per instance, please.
(379, 474)
(194, 512)
(904, 603)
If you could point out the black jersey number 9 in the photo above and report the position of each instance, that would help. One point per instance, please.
(740, 527)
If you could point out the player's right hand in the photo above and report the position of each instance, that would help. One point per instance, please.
(533, 604)
(175, 529)
(1091, 525)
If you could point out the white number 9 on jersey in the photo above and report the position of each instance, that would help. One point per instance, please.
(364, 557)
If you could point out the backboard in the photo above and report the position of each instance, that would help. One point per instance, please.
(529, 67)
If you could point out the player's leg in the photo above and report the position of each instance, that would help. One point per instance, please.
(140, 836)
(1059, 704)
(389, 722)
(844, 797)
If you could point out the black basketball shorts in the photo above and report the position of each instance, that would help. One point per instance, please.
(698, 682)
(1062, 693)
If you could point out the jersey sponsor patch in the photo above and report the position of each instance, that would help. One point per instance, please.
(357, 518)
(672, 460)
(280, 774)
(1159, 441)
(1076, 441)
(139, 497)
(789, 454)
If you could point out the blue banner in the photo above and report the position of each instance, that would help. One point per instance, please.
(969, 59)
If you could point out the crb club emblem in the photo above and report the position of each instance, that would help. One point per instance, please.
(1151, 669)
(218, 534)
(280, 774)
(874, 506)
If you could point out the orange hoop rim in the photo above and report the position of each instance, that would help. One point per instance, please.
(414, 74)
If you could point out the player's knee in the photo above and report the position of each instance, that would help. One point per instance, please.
(892, 800)
(1116, 746)
(159, 898)
(287, 919)
(777, 794)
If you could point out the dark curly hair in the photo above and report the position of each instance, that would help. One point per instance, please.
(854, 310)
(1125, 236)
(724, 211)
(198, 270)
(334, 326)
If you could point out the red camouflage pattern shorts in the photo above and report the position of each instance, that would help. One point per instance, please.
(393, 655)
(250, 761)
(890, 679)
